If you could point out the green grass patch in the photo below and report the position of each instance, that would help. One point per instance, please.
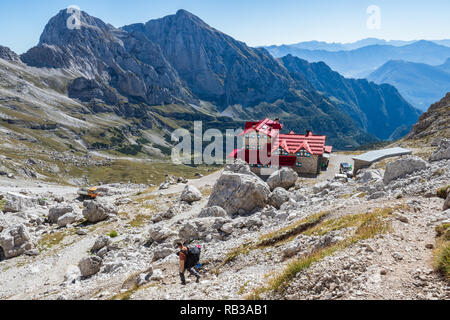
(2, 204)
(113, 234)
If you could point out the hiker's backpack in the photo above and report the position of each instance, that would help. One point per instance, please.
(193, 257)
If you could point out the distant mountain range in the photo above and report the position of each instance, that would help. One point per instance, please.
(168, 72)
(336, 46)
(365, 59)
(419, 83)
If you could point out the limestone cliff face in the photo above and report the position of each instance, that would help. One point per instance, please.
(215, 66)
(435, 122)
(98, 52)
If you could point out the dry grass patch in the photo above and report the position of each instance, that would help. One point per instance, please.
(288, 233)
(367, 226)
(140, 220)
(275, 238)
(441, 255)
(206, 191)
(52, 239)
(443, 192)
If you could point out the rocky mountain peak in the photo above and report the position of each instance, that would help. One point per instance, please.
(133, 67)
(69, 28)
(216, 67)
(7, 54)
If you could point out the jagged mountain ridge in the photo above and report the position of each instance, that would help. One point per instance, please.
(435, 122)
(112, 57)
(214, 65)
(181, 60)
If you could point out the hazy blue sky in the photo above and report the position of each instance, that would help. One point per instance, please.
(256, 22)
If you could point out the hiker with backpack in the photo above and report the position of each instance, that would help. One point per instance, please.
(189, 257)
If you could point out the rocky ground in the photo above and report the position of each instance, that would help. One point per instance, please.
(371, 237)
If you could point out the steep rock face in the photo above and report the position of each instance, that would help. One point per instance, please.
(379, 109)
(434, 122)
(7, 54)
(215, 66)
(111, 57)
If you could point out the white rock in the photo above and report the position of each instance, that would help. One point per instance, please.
(369, 175)
(157, 275)
(162, 251)
(227, 228)
(67, 219)
(442, 152)
(160, 233)
(191, 194)
(403, 167)
(15, 241)
(15, 202)
(238, 192)
(96, 211)
(100, 242)
(278, 197)
(213, 212)
(283, 178)
(90, 266)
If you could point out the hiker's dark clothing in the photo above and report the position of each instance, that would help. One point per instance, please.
(183, 258)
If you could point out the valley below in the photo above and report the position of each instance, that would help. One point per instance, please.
(325, 238)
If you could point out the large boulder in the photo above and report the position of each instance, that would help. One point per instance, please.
(96, 211)
(67, 219)
(239, 190)
(369, 175)
(284, 178)
(159, 233)
(54, 213)
(90, 266)
(100, 243)
(191, 194)
(442, 152)
(403, 167)
(15, 202)
(320, 186)
(239, 166)
(213, 212)
(15, 241)
(198, 229)
(278, 197)
(162, 251)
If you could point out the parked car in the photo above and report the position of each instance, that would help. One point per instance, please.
(346, 169)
